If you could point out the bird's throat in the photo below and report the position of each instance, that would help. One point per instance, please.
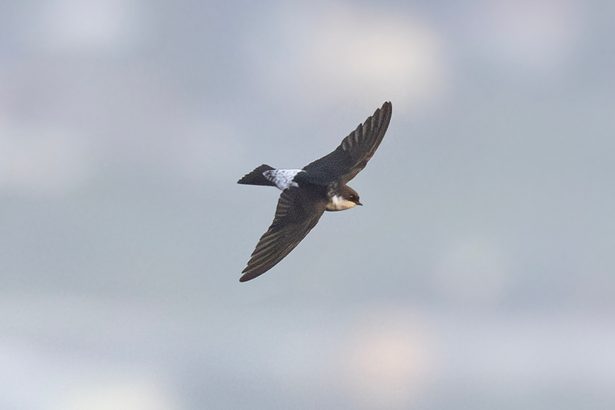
(338, 203)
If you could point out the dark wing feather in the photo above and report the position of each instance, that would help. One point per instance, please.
(351, 156)
(298, 211)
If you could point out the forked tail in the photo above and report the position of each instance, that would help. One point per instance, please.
(256, 177)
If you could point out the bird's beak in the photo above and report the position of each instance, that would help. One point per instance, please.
(359, 203)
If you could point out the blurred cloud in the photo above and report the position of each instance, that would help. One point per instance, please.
(471, 273)
(528, 35)
(343, 51)
(119, 392)
(76, 25)
(42, 160)
(71, 381)
(388, 359)
(203, 146)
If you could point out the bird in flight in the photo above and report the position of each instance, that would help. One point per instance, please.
(307, 193)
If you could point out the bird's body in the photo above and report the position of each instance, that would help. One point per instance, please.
(285, 178)
(308, 192)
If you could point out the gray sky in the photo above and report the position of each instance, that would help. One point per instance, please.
(479, 274)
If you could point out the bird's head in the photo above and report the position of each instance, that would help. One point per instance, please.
(346, 198)
(350, 195)
(353, 197)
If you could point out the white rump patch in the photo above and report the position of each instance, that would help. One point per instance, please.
(282, 178)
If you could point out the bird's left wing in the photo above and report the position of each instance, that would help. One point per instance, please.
(298, 211)
(351, 156)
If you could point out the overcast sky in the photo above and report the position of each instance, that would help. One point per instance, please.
(480, 273)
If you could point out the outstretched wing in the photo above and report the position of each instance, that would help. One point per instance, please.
(351, 156)
(298, 211)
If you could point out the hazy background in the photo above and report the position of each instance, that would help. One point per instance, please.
(480, 274)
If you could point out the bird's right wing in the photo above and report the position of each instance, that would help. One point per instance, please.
(298, 211)
(351, 156)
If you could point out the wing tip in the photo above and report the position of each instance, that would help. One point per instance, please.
(249, 275)
(387, 106)
(245, 276)
(384, 111)
(250, 272)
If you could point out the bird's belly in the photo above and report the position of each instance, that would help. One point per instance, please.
(337, 203)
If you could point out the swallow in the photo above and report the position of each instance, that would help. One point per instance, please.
(308, 192)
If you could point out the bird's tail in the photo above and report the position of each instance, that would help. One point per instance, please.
(256, 177)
